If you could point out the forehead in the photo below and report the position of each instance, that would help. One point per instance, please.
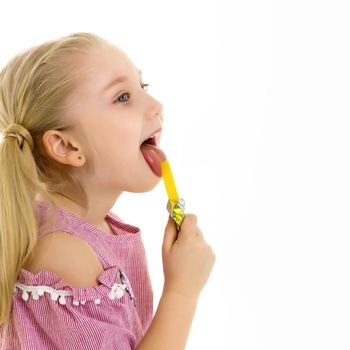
(103, 65)
(107, 58)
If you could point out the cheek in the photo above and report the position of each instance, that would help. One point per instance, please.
(127, 134)
(125, 144)
(121, 149)
(120, 136)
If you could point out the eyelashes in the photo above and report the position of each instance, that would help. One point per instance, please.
(143, 85)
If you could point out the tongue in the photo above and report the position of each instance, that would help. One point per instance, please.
(153, 156)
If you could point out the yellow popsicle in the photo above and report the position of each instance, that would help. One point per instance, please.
(175, 205)
(169, 181)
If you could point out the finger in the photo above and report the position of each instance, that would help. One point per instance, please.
(170, 234)
(188, 226)
(200, 234)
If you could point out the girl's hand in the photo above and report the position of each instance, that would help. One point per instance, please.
(187, 258)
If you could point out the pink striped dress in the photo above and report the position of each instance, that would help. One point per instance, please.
(48, 313)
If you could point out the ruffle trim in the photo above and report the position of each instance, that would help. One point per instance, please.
(114, 284)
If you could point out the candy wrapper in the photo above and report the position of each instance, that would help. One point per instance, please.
(177, 211)
(175, 205)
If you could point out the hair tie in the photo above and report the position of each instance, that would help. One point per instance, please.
(21, 133)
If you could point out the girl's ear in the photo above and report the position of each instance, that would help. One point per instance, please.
(60, 148)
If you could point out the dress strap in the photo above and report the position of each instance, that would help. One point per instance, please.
(66, 222)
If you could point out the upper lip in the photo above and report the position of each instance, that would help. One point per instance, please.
(154, 133)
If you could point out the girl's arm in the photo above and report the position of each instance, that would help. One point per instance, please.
(187, 263)
(171, 323)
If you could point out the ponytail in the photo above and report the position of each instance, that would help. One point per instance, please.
(34, 89)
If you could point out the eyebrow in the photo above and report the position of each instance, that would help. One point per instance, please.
(118, 80)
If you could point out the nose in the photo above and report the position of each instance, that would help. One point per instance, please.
(155, 109)
(160, 118)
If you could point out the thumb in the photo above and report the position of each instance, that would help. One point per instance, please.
(170, 234)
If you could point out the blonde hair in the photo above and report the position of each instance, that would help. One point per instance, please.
(34, 89)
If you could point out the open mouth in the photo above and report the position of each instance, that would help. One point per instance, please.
(150, 141)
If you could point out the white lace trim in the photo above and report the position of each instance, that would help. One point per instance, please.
(117, 291)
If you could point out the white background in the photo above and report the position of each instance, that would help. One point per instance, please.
(256, 107)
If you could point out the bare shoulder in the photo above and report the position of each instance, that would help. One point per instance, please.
(67, 256)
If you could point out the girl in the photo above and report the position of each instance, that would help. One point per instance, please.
(74, 116)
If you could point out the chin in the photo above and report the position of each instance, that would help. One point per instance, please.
(147, 185)
(152, 184)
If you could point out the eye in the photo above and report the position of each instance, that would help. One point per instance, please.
(118, 99)
(143, 85)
